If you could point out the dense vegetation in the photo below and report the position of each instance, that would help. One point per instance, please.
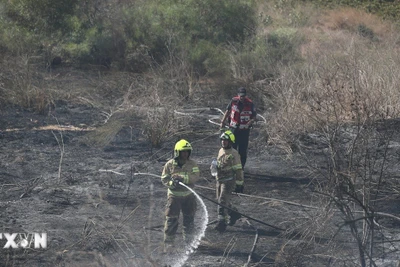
(231, 43)
(132, 35)
(115, 32)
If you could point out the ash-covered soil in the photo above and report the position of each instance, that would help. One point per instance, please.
(101, 207)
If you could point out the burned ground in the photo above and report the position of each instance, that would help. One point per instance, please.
(98, 211)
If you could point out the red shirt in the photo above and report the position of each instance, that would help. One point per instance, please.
(241, 112)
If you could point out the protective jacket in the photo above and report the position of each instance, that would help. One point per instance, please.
(229, 166)
(189, 172)
(241, 112)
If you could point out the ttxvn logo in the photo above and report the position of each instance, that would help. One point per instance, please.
(24, 240)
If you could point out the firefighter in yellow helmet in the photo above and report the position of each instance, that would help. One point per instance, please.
(229, 178)
(180, 169)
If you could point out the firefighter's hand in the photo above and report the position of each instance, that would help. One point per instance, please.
(176, 180)
(250, 124)
(239, 189)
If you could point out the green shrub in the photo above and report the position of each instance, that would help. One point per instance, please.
(283, 44)
(217, 64)
(364, 31)
(258, 58)
(163, 25)
(48, 16)
(15, 39)
(80, 52)
(207, 59)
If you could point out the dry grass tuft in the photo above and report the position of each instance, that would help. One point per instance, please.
(104, 134)
(337, 85)
(146, 107)
(22, 84)
(351, 19)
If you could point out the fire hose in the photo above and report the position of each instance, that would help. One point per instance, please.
(205, 197)
(212, 118)
(241, 214)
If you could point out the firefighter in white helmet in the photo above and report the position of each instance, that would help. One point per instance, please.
(229, 178)
(180, 169)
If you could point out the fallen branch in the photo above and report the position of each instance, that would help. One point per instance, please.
(1, 188)
(112, 171)
(254, 243)
(266, 198)
(383, 214)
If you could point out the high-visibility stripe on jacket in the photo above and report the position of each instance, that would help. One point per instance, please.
(229, 166)
(189, 171)
(240, 118)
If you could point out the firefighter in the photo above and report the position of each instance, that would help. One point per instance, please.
(180, 169)
(229, 178)
(241, 114)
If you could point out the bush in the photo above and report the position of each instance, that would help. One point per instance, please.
(164, 26)
(258, 58)
(17, 40)
(48, 16)
(207, 59)
(284, 43)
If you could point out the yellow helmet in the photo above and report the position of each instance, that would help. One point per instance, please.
(182, 145)
(228, 135)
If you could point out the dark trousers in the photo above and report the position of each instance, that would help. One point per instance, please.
(175, 205)
(224, 194)
(241, 144)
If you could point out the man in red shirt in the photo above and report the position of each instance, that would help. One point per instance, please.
(240, 114)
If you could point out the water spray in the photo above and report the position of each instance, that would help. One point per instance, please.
(178, 262)
(197, 238)
(209, 199)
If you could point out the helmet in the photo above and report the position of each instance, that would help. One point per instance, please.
(228, 135)
(242, 91)
(182, 145)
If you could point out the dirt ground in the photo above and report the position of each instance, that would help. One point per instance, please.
(98, 211)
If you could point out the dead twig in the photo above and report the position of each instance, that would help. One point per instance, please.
(228, 250)
(1, 188)
(254, 243)
(61, 146)
(31, 185)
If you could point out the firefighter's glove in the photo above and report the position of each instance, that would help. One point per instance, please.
(239, 189)
(176, 180)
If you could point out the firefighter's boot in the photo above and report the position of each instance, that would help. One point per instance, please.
(233, 216)
(221, 224)
(168, 247)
